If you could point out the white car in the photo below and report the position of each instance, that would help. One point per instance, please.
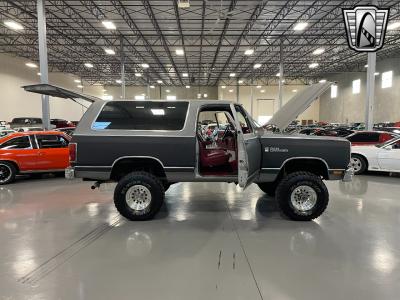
(382, 157)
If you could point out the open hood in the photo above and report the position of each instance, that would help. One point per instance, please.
(298, 104)
(55, 91)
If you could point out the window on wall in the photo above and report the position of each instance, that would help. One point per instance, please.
(387, 79)
(356, 86)
(334, 91)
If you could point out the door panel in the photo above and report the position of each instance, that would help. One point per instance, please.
(53, 152)
(389, 159)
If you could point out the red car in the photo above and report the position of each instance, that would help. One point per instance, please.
(61, 123)
(33, 152)
(370, 137)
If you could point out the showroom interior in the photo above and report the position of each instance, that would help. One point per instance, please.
(127, 160)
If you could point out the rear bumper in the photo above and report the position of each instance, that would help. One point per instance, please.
(348, 175)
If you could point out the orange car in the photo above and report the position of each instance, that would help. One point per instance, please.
(32, 152)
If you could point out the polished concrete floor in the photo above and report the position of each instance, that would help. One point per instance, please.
(61, 240)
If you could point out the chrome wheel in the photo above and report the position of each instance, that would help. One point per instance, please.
(303, 198)
(5, 173)
(138, 197)
(356, 163)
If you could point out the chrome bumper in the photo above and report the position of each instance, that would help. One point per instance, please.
(69, 173)
(348, 175)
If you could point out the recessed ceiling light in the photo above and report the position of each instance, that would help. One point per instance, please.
(223, 87)
(138, 75)
(230, 91)
(259, 86)
(322, 81)
(77, 81)
(313, 65)
(185, 75)
(249, 52)
(79, 86)
(318, 51)
(188, 86)
(240, 81)
(159, 81)
(152, 87)
(31, 65)
(145, 66)
(109, 25)
(232, 75)
(88, 65)
(109, 51)
(179, 52)
(300, 26)
(118, 81)
(393, 26)
(256, 66)
(13, 25)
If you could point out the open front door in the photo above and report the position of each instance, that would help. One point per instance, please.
(249, 148)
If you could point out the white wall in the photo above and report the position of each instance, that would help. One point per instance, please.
(266, 103)
(15, 102)
(349, 107)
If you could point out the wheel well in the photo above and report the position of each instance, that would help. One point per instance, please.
(128, 165)
(12, 162)
(363, 157)
(315, 166)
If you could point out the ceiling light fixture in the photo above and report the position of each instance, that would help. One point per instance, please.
(322, 81)
(31, 65)
(159, 81)
(278, 74)
(79, 86)
(88, 65)
(145, 66)
(318, 51)
(167, 91)
(13, 25)
(188, 86)
(313, 65)
(393, 26)
(39, 73)
(109, 25)
(240, 81)
(119, 81)
(259, 86)
(249, 52)
(138, 74)
(179, 52)
(185, 75)
(223, 87)
(232, 75)
(152, 87)
(300, 26)
(294, 91)
(230, 91)
(257, 66)
(109, 51)
(77, 81)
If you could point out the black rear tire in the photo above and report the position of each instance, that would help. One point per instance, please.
(139, 196)
(7, 172)
(305, 190)
(268, 187)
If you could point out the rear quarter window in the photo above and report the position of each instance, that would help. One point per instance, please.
(146, 115)
(364, 137)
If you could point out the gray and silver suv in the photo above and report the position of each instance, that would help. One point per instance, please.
(146, 146)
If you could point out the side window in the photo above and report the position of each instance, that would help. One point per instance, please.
(244, 122)
(51, 141)
(22, 142)
(365, 137)
(396, 145)
(142, 115)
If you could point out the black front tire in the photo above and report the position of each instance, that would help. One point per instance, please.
(268, 187)
(141, 181)
(298, 182)
(8, 172)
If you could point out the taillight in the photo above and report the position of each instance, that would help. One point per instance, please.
(72, 152)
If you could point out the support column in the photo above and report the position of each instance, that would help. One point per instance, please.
(280, 91)
(44, 75)
(370, 95)
(237, 90)
(251, 98)
(123, 94)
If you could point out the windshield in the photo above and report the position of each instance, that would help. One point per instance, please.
(387, 143)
